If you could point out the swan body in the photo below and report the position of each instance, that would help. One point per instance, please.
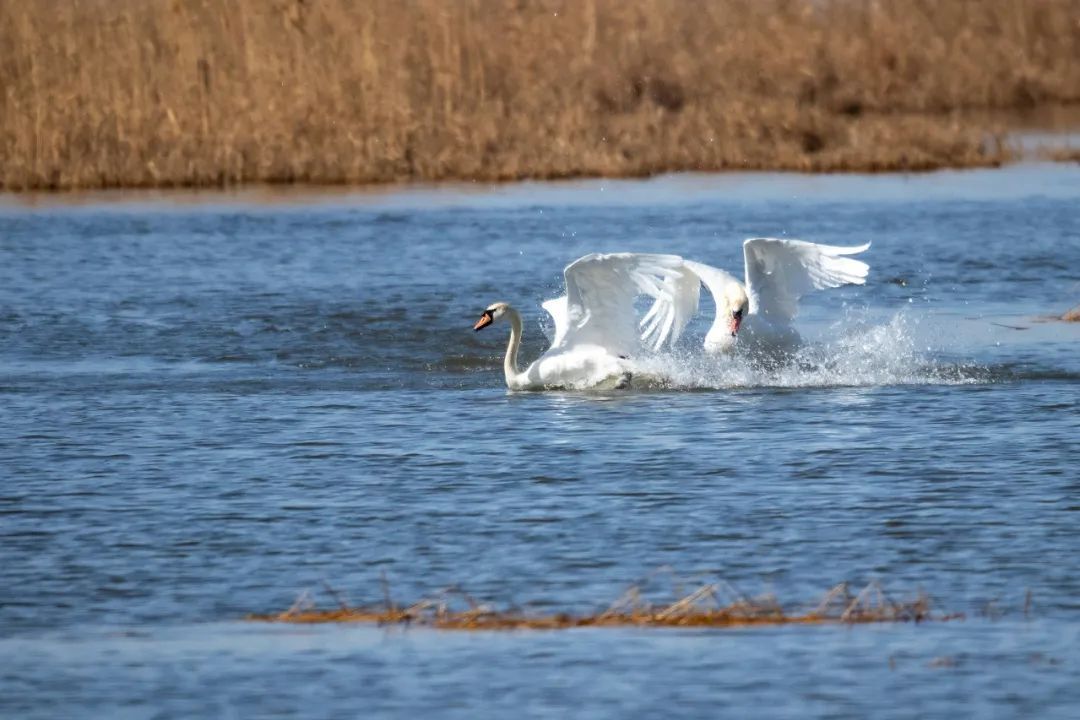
(596, 324)
(756, 314)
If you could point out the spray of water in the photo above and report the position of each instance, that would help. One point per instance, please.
(852, 353)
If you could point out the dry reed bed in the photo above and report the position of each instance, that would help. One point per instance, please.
(1065, 155)
(700, 608)
(99, 93)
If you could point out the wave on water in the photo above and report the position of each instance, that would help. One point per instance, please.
(854, 354)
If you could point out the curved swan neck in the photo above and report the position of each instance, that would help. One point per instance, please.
(510, 367)
(719, 338)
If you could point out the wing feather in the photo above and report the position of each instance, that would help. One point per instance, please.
(780, 271)
(600, 295)
(672, 309)
(556, 308)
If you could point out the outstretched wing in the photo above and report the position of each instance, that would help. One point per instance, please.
(780, 271)
(600, 294)
(673, 308)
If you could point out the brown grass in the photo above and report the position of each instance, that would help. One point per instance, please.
(1065, 155)
(99, 93)
(700, 608)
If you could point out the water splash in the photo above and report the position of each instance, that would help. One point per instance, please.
(853, 353)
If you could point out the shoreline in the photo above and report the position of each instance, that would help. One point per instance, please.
(663, 187)
(1049, 144)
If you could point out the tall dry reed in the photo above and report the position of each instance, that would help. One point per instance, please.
(97, 93)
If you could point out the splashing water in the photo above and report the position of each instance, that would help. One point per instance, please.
(855, 354)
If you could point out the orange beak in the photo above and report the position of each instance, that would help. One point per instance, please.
(484, 321)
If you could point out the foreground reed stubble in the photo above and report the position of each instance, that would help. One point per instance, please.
(702, 607)
(99, 93)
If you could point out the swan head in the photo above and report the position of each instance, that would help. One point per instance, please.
(492, 312)
(733, 307)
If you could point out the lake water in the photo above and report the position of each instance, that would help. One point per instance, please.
(212, 402)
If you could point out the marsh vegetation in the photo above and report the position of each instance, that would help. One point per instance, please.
(188, 93)
(714, 605)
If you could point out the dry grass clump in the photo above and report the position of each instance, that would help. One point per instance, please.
(701, 608)
(99, 93)
(1065, 154)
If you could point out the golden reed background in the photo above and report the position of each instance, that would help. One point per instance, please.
(97, 93)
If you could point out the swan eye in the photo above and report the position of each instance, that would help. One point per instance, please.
(737, 314)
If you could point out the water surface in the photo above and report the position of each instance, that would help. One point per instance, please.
(211, 402)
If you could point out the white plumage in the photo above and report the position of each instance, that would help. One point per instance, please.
(596, 322)
(598, 335)
(778, 273)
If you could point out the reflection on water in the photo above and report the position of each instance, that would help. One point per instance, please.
(210, 406)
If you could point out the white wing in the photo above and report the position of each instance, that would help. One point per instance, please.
(678, 302)
(556, 308)
(779, 272)
(673, 306)
(715, 279)
(600, 294)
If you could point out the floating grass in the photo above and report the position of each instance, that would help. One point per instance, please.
(710, 605)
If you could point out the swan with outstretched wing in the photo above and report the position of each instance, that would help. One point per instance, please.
(596, 322)
(757, 313)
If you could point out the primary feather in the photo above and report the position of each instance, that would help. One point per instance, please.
(779, 271)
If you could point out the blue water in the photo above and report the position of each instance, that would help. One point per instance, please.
(210, 403)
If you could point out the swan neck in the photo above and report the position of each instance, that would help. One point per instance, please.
(722, 322)
(510, 366)
(719, 338)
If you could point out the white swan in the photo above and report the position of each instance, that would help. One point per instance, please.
(757, 314)
(596, 323)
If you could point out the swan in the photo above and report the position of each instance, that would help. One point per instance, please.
(757, 313)
(596, 324)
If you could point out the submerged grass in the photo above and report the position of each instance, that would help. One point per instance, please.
(702, 607)
(101, 93)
